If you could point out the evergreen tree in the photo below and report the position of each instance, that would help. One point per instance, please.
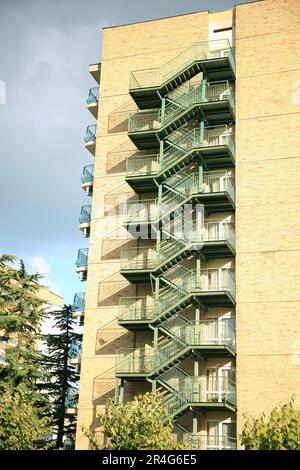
(63, 375)
(21, 314)
(22, 371)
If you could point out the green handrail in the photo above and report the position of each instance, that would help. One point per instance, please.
(201, 51)
(150, 120)
(78, 302)
(186, 141)
(176, 194)
(188, 235)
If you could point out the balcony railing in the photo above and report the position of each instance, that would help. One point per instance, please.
(75, 350)
(87, 174)
(133, 308)
(71, 400)
(141, 211)
(155, 119)
(202, 389)
(90, 135)
(78, 302)
(203, 441)
(147, 210)
(93, 96)
(85, 214)
(198, 51)
(82, 258)
(207, 280)
(213, 138)
(149, 257)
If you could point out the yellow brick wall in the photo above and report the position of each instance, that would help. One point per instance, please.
(268, 204)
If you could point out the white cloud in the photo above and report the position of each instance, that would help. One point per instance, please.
(39, 264)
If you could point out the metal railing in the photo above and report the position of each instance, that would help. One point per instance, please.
(145, 165)
(218, 332)
(140, 211)
(90, 134)
(201, 51)
(85, 214)
(93, 96)
(75, 349)
(184, 188)
(133, 361)
(82, 258)
(186, 281)
(187, 235)
(215, 137)
(87, 174)
(142, 121)
(133, 308)
(203, 441)
(78, 302)
(71, 400)
(202, 389)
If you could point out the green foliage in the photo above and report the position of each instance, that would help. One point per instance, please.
(21, 314)
(136, 425)
(23, 404)
(279, 431)
(62, 374)
(21, 427)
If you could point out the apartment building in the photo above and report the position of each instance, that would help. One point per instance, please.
(192, 267)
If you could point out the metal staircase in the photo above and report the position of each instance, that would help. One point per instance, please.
(189, 127)
(181, 338)
(213, 238)
(213, 103)
(215, 59)
(214, 147)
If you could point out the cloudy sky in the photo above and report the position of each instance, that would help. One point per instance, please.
(45, 49)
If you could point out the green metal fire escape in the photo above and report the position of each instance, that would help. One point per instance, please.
(187, 150)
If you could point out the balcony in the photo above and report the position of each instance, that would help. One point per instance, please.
(215, 190)
(92, 101)
(85, 220)
(212, 338)
(87, 179)
(214, 147)
(215, 59)
(203, 441)
(71, 401)
(216, 239)
(74, 353)
(90, 138)
(78, 305)
(213, 103)
(69, 444)
(206, 393)
(95, 71)
(82, 263)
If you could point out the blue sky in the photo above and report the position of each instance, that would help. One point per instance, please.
(45, 50)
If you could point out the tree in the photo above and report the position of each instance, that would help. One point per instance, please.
(21, 371)
(278, 431)
(21, 427)
(21, 314)
(63, 375)
(136, 425)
